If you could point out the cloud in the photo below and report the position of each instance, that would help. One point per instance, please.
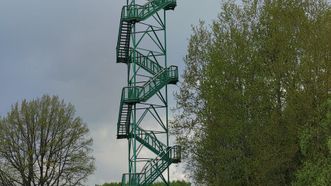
(110, 154)
(67, 48)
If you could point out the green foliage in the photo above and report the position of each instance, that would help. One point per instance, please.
(254, 83)
(315, 147)
(173, 183)
(111, 184)
(42, 142)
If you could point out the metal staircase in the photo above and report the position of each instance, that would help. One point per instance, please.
(146, 62)
(132, 95)
(136, 94)
(123, 41)
(150, 140)
(123, 125)
(135, 13)
(153, 168)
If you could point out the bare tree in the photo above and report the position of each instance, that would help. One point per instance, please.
(43, 143)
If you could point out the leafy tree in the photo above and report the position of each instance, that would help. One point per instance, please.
(254, 81)
(315, 145)
(173, 183)
(42, 142)
(111, 184)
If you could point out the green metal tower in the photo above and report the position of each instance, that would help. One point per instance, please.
(143, 113)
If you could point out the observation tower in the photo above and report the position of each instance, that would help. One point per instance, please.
(143, 113)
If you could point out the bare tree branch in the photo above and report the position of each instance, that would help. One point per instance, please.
(43, 143)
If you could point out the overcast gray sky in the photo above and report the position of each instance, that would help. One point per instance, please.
(67, 48)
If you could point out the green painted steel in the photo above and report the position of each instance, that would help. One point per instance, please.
(135, 94)
(136, 13)
(123, 41)
(150, 140)
(145, 62)
(124, 120)
(140, 93)
(153, 168)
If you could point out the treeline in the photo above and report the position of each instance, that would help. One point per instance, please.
(253, 108)
(173, 183)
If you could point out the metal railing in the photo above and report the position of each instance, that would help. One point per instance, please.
(159, 164)
(151, 140)
(145, 62)
(140, 12)
(135, 94)
(130, 179)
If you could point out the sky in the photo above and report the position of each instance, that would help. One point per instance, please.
(67, 48)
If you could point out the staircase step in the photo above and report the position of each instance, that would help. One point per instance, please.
(151, 87)
(123, 42)
(123, 124)
(149, 140)
(153, 169)
(135, 94)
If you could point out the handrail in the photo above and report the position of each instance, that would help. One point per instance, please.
(140, 12)
(145, 62)
(130, 179)
(155, 83)
(148, 171)
(150, 138)
(131, 94)
(123, 53)
(119, 35)
(119, 117)
(142, 93)
(171, 153)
